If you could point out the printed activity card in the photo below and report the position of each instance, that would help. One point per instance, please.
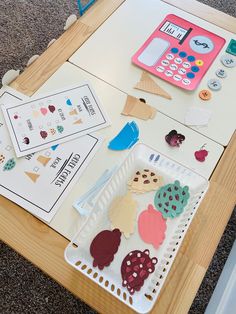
(39, 182)
(53, 119)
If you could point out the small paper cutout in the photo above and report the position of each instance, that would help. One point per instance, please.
(60, 128)
(201, 154)
(135, 269)
(68, 102)
(152, 226)
(174, 139)
(70, 21)
(126, 138)
(51, 42)
(148, 85)
(171, 199)
(137, 108)
(33, 176)
(197, 116)
(9, 165)
(54, 147)
(51, 108)
(73, 112)
(43, 134)
(78, 121)
(144, 181)
(104, 246)
(26, 140)
(43, 160)
(122, 214)
(2, 158)
(35, 114)
(44, 111)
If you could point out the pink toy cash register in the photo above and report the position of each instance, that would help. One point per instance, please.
(179, 52)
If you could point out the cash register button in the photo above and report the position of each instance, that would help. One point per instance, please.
(160, 68)
(195, 68)
(168, 73)
(190, 75)
(173, 67)
(182, 71)
(191, 58)
(165, 62)
(221, 73)
(177, 77)
(169, 56)
(186, 65)
(214, 84)
(199, 63)
(182, 54)
(186, 81)
(228, 61)
(174, 50)
(178, 60)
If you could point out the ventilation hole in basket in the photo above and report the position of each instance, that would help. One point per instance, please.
(164, 269)
(167, 263)
(101, 279)
(170, 256)
(192, 212)
(84, 267)
(106, 283)
(89, 271)
(180, 237)
(176, 243)
(95, 275)
(154, 291)
(118, 292)
(78, 263)
(112, 288)
(185, 225)
(130, 301)
(74, 245)
(188, 219)
(149, 297)
(157, 284)
(124, 296)
(173, 250)
(161, 277)
(182, 231)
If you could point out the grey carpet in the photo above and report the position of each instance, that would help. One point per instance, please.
(26, 27)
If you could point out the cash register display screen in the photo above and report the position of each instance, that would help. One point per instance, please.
(173, 30)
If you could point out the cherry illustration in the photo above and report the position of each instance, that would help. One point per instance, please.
(26, 140)
(43, 134)
(201, 154)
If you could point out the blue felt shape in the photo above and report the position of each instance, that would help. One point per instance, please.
(68, 102)
(126, 138)
(54, 147)
(83, 8)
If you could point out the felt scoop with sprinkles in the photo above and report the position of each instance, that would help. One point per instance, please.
(171, 199)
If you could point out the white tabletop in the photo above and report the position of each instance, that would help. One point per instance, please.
(107, 55)
(152, 133)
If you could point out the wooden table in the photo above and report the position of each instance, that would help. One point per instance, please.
(45, 248)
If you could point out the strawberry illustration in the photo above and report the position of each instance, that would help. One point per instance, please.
(201, 154)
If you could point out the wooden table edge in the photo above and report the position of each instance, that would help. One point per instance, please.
(44, 247)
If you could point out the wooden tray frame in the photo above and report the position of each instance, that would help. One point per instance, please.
(45, 248)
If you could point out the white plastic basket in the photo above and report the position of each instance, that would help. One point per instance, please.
(77, 252)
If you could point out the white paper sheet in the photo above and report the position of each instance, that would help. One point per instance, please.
(39, 182)
(54, 119)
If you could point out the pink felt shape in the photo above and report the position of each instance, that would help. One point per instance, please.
(43, 111)
(152, 226)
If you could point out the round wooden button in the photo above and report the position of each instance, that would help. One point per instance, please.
(205, 94)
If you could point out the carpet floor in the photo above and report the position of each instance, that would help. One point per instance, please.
(26, 27)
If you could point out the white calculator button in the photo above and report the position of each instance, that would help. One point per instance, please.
(178, 60)
(186, 65)
(186, 81)
(169, 73)
(160, 68)
(173, 67)
(177, 77)
(169, 56)
(165, 62)
(182, 71)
